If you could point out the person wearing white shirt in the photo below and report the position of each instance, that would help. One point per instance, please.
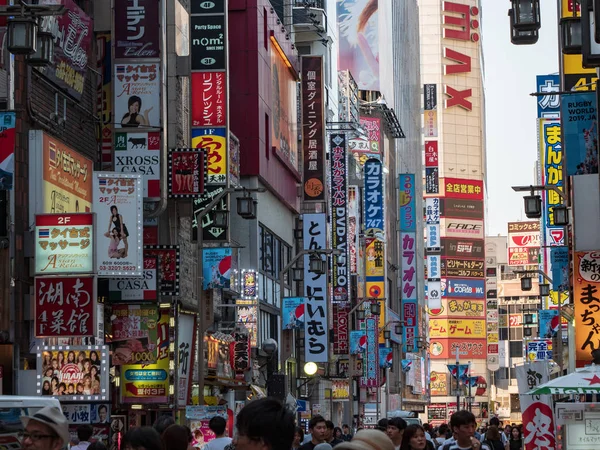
(218, 425)
(84, 434)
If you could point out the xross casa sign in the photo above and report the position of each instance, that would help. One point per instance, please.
(460, 23)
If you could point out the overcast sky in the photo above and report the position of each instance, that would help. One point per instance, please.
(511, 134)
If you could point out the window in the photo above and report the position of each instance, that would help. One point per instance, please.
(515, 349)
(275, 254)
(515, 334)
(503, 334)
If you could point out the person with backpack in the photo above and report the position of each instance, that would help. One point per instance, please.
(492, 439)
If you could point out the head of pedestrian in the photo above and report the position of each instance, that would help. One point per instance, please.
(414, 438)
(367, 440)
(318, 429)
(218, 425)
(84, 433)
(382, 425)
(141, 438)
(177, 437)
(395, 430)
(463, 426)
(46, 429)
(264, 424)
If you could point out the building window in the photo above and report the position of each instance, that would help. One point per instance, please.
(515, 348)
(503, 334)
(275, 254)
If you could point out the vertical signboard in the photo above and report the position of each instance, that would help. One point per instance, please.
(408, 252)
(316, 327)
(186, 338)
(580, 133)
(575, 77)
(340, 328)
(353, 216)
(548, 106)
(523, 243)
(339, 218)
(187, 167)
(137, 29)
(430, 110)
(140, 153)
(137, 95)
(7, 149)
(371, 365)
(374, 228)
(118, 206)
(104, 99)
(210, 108)
(586, 285)
(313, 129)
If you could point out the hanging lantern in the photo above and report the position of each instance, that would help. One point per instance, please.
(22, 35)
(526, 15)
(44, 53)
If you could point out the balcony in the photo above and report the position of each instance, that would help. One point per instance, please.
(310, 19)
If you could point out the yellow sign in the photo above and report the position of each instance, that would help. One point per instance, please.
(149, 383)
(459, 308)
(438, 383)
(457, 328)
(67, 178)
(375, 269)
(214, 144)
(575, 76)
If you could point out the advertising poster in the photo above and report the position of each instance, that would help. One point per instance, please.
(216, 264)
(375, 268)
(459, 308)
(168, 267)
(234, 160)
(313, 129)
(140, 153)
(213, 142)
(464, 189)
(386, 358)
(559, 256)
(199, 417)
(118, 208)
(99, 413)
(372, 126)
(434, 240)
(74, 374)
(438, 383)
(467, 348)
(57, 187)
(431, 128)
(370, 376)
(358, 342)
(339, 218)
(77, 414)
(538, 350)
(463, 248)
(209, 40)
(284, 132)
(457, 328)
(187, 170)
(293, 313)
(353, 205)
(137, 29)
(65, 306)
(247, 314)
(586, 285)
(408, 206)
(143, 288)
(340, 389)
(462, 228)
(137, 95)
(548, 322)
(249, 280)
(186, 338)
(462, 209)
(209, 99)
(432, 181)
(70, 55)
(314, 230)
(64, 243)
(580, 133)
(432, 210)
(431, 154)
(7, 149)
(358, 25)
(548, 106)
(340, 328)
(149, 383)
(430, 110)
(134, 329)
(551, 159)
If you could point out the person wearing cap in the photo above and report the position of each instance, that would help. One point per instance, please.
(47, 429)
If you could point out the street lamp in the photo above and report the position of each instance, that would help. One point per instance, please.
(533, 206)
(44, 53)
(560, 213)
(310, 368)
(590, 48)
(316, 265)
(571, 35)
(521, 37)
(297, 273)
(533, 202)
(22, 34)
(526, 15)
(544, 289)
(526, 284)
(246, 206)
(220, 218)
(375, 308)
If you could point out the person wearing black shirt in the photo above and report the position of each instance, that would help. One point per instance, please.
(331, 439)
(318, 430)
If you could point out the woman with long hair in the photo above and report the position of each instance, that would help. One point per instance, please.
(71, 357)
(493, 438)
(132, 118)
(414, 439)
(116, 220)
(61, 359)
(516, 440)
(298, 438)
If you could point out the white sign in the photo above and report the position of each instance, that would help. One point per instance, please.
(118, 207)
(316, 326)
(143, 288)
(77, 414)
(434, 240)
(184, 352)
(137, 95)
(64, 243)
(140, 153)
(432, 210)
(462, 228)
(433, 267)
(434, 294)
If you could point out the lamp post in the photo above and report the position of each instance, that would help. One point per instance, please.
(533, 203)
(221, 221)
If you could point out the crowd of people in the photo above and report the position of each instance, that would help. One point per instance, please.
(266, 424)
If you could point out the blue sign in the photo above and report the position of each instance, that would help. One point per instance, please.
(371, 366)
(463, 288)
(358, 342)
(434, 240)
(548, 322)
(580, 133)
(548, 105)
(408, 203)
(293, 313)
(373, 193)
(385, 357)
(216, 268)
(433, 267)
(559, 256)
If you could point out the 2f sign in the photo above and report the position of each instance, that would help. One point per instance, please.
(64, 220)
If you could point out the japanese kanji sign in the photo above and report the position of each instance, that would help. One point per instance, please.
(465, 189)
(316, 327)
(186, 338)
(551, 160)
(313, 129)
(548, 105)
(431, 154)
(586, 298)
(457, 328)
(373, 197)
(187, 171)
(136, 29)
(64, 243)
(432, 210)
(371, 365)
(239, 353)
(213, 141)
(65, 306)
(209, 99)
(339, 218)
(409, 312)
(137, 95)
(375, 268)
(140, 153)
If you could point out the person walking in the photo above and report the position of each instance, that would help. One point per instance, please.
(346, 434)
(218, 425)
(395, 430)
(414, 438)
(516, 440)
(84, 434)
(47, 429)
(462, 424)
(318, 432)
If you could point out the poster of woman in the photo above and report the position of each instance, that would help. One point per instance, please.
(137, 95)
(118, 206)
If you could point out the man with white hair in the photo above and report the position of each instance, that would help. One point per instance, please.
(47, 429)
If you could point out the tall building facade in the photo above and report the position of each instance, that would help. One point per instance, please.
(454, 191)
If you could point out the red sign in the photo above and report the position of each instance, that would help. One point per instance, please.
(460, 188)
(150, 235)
(187, 169)
(64, 306)
(209, 102)
(340, 329)
(239, 354)
(431, 154)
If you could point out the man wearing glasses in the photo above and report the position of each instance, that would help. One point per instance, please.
(47, 429)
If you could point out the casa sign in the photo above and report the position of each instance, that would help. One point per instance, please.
(460, 23)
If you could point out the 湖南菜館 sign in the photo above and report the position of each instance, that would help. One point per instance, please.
(64, 243)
